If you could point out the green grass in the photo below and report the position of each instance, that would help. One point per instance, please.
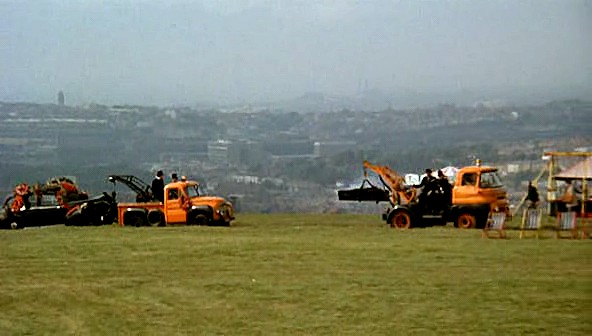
(291, 274)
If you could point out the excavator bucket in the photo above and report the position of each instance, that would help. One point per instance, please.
(363, 195)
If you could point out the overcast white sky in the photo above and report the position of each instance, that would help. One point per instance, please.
(182, 52)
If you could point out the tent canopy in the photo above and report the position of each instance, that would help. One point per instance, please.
(580, 170)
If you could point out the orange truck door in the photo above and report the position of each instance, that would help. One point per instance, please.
(175, 213)
(467, 191)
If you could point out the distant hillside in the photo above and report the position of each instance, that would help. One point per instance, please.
(404, 98)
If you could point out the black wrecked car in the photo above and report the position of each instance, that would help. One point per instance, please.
(98, 210)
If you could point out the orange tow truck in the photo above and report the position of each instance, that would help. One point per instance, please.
(476, 191)
(183, 204)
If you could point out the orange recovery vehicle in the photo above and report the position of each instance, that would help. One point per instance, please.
(183, 204)
(476, 191)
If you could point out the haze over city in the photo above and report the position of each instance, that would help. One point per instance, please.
(185, 52)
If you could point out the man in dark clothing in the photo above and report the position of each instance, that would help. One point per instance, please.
(445, 187)
(426, 185)
(532, 197)
(158, 186)
(426, 179)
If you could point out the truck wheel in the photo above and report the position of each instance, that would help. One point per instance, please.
(466, 221)
(200, 219)
(401, 220)
(155, 218)
(133, 219)
(14, 225)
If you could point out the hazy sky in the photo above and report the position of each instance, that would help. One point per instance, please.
(182, 52)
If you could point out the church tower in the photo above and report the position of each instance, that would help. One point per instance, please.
(61, 98)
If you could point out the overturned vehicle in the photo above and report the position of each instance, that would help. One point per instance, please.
(58, 201)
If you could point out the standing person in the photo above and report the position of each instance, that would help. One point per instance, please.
(174, 178)
(426, 180)
(445, 186)
(158, 186)
(532, 197)
(569, 196)
(426, 186)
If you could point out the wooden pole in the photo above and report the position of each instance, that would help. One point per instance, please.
(551, 184)
(584, 189)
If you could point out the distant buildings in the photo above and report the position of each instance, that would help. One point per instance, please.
(219, 151)
(238, 152)
(328, 148)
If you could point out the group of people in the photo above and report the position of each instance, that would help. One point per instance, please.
(569, 196)
(436, 193)
(158, 184)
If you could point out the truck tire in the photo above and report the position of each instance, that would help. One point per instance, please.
(400, 219)
(155, 218)
(200, 219)
(466, 220)
(134, 219)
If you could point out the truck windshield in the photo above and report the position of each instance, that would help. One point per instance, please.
(490, 180)
(192, 191)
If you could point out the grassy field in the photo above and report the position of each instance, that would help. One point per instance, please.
(291, 274)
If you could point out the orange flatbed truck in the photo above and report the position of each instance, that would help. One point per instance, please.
(182, 204)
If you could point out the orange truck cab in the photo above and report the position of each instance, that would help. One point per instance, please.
(477, 190)
(182, 204)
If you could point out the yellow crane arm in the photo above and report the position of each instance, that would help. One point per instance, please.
(393, 181)
(390, 177)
